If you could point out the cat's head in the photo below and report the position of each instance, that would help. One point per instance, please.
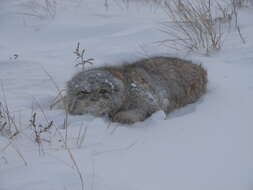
(95, 91)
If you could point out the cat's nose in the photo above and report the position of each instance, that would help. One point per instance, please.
(94, 98)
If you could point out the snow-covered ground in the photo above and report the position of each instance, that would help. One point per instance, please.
(207, 145)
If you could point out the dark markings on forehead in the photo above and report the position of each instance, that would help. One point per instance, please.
(102, 85)
(93, 79)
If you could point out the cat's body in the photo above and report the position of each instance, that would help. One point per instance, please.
(132, 92)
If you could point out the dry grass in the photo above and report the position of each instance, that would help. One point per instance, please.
(11, 130)
(65, 126)
(41, 9)
(7, 123)
(201, 25)
(196, 25)
(8, 126)
(242, 3)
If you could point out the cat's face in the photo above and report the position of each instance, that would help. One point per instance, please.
(95, 92)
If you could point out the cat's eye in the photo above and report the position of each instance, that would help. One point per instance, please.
(83, 92)
(103, 91)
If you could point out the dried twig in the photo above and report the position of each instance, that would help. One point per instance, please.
(80, 56)
(39, 128)
(77, 168)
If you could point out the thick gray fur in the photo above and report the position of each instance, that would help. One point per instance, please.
(132, 92)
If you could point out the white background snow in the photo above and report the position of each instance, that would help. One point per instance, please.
(204, 146)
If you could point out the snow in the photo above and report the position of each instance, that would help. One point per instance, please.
(206, 145)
